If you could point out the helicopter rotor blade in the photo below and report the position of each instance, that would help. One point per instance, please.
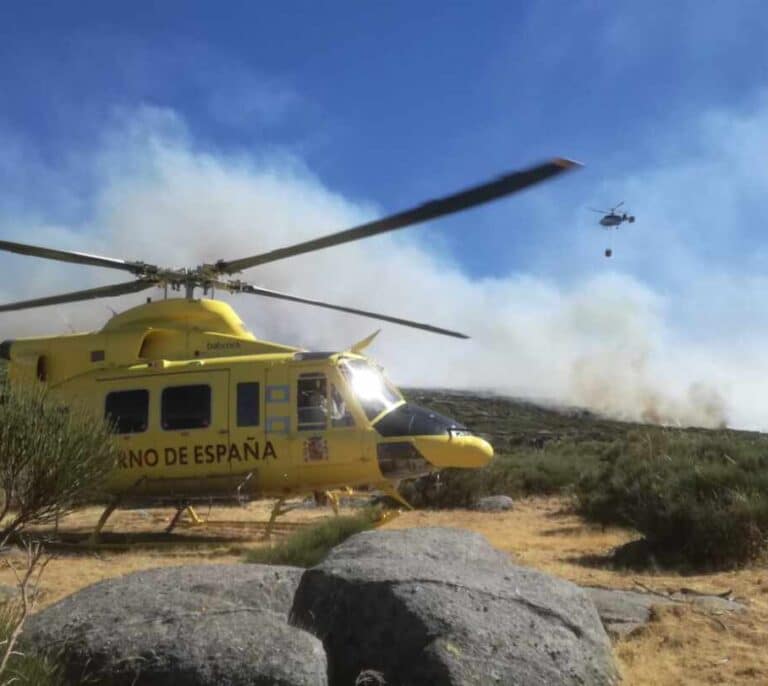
(70, 256)
(89, 294)
(470, 197)
(599, 211)
(619, 205)
(240, 287)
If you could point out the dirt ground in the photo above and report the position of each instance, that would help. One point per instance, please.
(684, 645)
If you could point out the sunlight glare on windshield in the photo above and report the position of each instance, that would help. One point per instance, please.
(369, 387)
(367, 384)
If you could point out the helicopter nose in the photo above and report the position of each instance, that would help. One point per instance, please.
(454, 451)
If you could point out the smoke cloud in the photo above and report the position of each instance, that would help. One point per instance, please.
(605, 341)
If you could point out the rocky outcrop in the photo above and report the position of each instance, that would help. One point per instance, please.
(189, 626)
(623, 612)
(441, 607)
(417, 607)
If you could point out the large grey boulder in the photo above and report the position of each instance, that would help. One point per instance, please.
(194, 625)
(442, 607)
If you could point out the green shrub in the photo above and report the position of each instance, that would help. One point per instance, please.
(308, 546)
(523, 471)
(699, 499)
(52, 457)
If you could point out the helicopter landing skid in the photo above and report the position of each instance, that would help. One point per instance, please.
(389, 490)
(116, 501)
(278, 509)
(181, 508)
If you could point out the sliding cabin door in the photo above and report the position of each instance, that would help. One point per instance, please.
(194, 423)
(173, 432)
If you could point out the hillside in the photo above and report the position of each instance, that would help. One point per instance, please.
(512, 423)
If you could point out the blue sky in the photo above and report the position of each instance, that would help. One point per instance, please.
(357, 69)
(391, 102)
(377, 106)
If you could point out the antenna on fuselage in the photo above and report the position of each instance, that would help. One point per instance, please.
(66, 321)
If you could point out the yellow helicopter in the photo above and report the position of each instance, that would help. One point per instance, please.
(203, 409)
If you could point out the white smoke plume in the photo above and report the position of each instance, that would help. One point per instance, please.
(605, 341)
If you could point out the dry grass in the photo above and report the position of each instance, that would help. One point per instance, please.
(683, 645)
(71, 571)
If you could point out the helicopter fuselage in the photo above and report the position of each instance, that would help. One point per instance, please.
(202, 409)
(613, 219)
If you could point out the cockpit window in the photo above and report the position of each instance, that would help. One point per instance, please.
(369, 386)
(411, 420)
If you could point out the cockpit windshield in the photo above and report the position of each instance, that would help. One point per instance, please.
(369, 386)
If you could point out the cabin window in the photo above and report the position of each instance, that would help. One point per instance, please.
(186, 407)
(248, 404)
(340, 414)
(312, 402)
(127, 411)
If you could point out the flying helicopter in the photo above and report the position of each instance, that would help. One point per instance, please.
(203, 409)
(612, 219)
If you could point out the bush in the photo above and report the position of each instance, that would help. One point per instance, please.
(307, 547)
(52, 457)
(698, 499)
(526, 471)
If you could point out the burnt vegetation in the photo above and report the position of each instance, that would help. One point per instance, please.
(698, 497)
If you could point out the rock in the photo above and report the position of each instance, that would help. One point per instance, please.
(196, 625)
(441, 607)
(494, 503)
(623, 612)
(370, 677)
(714, 603)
